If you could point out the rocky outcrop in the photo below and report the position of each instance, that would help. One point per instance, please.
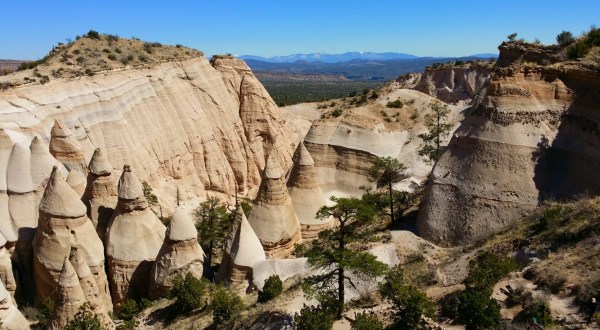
(77, 181)
(242, 251)
(63, 225)
(42, 163)
(453, 84)
(306, 194)
(10, 315)
(179, 254)
(133, 240)
(70, 296)
(273, 217)
(66, 149)
(533, 135)
(100, 195)
(6, 272)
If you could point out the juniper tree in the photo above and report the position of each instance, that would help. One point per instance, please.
(337, 254)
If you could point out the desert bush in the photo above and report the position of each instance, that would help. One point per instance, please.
(46, 313)
(89, 72)
(93, 35)
(512, 37)
(395, 104)
(273, 287)
(366, 321)
(539, 309)
(80, 59)
(317, 317)
(106, 50)
(593, 37)
(189, 292)
(487, 270)
(226, 306)
(118, 50)
(578, 50)
(85, 319)
(565, 38)
(337, 112)
(112, 57)
(374, 95)
(143, 58)
(552, 280)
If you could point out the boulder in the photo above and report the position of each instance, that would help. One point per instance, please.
(133, 239)
(306, 194)
(179, 254)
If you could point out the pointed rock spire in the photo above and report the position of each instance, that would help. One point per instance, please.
(242, 251)
(42, 163)
(6, 146)
(307, 196)
(180, 254)
(100, 196)
(70, 296)
(273, 217)
(133, 240)
(60, 130)
(66, 149)
(18, 171)
(99, 164)
(6, 271)
(60, 199)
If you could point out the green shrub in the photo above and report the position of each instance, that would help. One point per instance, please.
(593, 37)
(374, 95)
(565, 38)
(226, 306)
(112, 57)
(314, 318)
(366, 321)
(128, 309)
(539, 309)
(106, 50)
(395, 104)
(143, 58)
(478, 311)
(578, 50)
(80, 59)
(337, 112)
(46, 313)
(487, 270)
(512, 37)
(85, 319)
(189, 292)
(118, 50)
(89, 72)
(273, 287)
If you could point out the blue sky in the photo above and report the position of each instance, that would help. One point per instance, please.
(28, 29)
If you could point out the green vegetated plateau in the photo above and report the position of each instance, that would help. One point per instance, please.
(293, 92)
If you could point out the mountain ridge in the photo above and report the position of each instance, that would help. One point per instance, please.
(348, 56)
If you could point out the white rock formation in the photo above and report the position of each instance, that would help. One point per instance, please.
(133, 240)
(77, 181)
(307, 196)
(242, 251)
(180, 254)
(63, 224)
(10, 315)
(6, 273)
(273, 217)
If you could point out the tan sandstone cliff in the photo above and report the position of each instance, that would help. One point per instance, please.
(532, 135)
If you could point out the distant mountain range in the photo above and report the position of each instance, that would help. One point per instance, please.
(345, 57)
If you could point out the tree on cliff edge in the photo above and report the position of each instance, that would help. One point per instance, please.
(438, 129)
(212, 224)
(385, 172)
(336, 254)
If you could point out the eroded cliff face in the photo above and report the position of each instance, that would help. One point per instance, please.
(453, 84)
(189, 123)
(532, 135)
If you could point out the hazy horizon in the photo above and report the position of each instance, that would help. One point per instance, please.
(275, 28)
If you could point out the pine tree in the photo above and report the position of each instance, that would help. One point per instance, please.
(337, 254)
(438, 129)
(385, 172)
(212, 223)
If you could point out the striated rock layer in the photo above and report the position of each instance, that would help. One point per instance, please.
(63, 225)
(10, 315)
(133, 240)
(453, 84)
(66, 149)
(273, 217)
(534, 134)
(207, 123)
(306, 194)
(179, 254)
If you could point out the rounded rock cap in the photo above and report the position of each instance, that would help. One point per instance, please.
(99, 164)
(38, 147)
(130, 187)
(60, 199)
(273, 169)
(182, 226)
